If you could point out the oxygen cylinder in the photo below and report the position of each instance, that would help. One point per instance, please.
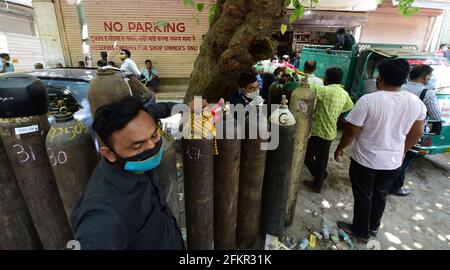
(276, 91)
(278, 172)
(226, 182)
(251, 178)
(17, 230)
(72, 155)
(23, 128)
(167, 173)
(198, 164)
(140, 90)
(302, 106)
(107, 87)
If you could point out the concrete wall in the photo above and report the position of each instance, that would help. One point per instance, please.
(47, 24)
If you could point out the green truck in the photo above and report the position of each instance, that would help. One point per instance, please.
(360, 75)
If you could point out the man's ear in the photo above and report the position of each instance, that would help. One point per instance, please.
(108, 154)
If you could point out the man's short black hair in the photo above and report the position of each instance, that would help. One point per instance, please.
(101, 63)
(38, 66)
(81, 63)
(111, 63)
(420, 71)
(341, 31)
(4, 55)
(127, 53)
(310, 66)
(245, 79)
(116, 116)
(334, 75)
(148, 61)
(394, 71)
(442, 46)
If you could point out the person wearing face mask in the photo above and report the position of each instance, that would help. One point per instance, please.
(381, 128)
(5, 63)
(129, 67)
(123, 206)
(249, 90)
(332, 101)
(419, 85)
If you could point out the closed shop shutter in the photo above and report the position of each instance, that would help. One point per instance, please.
(132, 24)
(395, 29)
(24, 49)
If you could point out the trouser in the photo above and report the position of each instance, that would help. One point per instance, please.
(153, 85)
(316, 159)
(400, 180)
(370, 189)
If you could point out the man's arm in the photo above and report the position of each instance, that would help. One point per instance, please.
(433, 106)
(354, 125)
(135, 70)
(348, 104)
(350, 132)
(414, 135)
(163, 110)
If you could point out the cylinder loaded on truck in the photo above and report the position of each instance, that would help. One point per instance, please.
(360, 74)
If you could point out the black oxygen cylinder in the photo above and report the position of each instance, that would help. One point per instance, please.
(198, 164)
(72, 155)
(226, 182)
(23, 128)
(251, 177)
(278, 172)
(17, 230)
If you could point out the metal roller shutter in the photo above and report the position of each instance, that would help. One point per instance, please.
(395, 29)
(25, 49)
(175, 59)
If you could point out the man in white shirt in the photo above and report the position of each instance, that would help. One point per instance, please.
(129, 67)
(382, 127)
(309, 69)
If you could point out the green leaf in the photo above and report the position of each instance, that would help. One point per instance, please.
(297, 4)
(284, 28)
(379, 2)
(200, 7)
(189, 3)
(287, 2)
(212, 13)
(299, 12)
(292, 18)
(162, 23)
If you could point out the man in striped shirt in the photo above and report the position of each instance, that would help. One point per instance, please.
(418, 85)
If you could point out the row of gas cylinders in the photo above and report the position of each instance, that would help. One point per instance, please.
(242, 193)
(44, 169)
(230, 198)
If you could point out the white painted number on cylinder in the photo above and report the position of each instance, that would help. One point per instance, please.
(60, 158)
(24, 154)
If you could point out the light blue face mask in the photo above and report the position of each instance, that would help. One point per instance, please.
(431, 84)
(145, 165)
(145, 161)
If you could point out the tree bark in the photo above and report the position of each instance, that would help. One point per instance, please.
(240, 36)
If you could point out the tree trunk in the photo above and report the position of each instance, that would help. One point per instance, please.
(239, 36)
